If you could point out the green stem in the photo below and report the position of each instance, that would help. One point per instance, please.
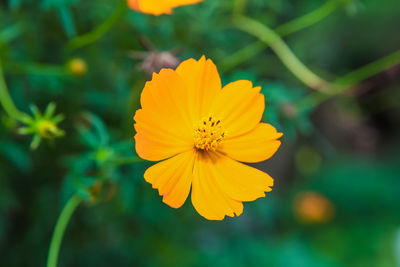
(59, 230)
(310, 18)
(280, 48)
(6, 100)
(98, 32)
(241, 56)
(348, 81)
(285, 29)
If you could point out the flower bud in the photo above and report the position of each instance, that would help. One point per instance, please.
(313, 207)
(48, 129)
(289, 110)
(77, 66)
(155, 61)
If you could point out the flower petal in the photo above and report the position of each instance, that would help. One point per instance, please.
(172, 178)
(176, 3)
(154, 7)
(167, 96)
(158, 7)
(257, 145)
(154, 150)
(208, 198)
(203, 84)
(239, 106)
(239, 181)
(150, 124)
(163, 122)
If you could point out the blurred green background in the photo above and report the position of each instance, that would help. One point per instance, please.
(336, 198)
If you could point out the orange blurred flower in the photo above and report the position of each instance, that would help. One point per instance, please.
(201, 131)
(158, 7)
(312, 207)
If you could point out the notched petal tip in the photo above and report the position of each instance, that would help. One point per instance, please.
(209, 197)
(220, 217)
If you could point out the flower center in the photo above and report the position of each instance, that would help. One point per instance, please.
(47, 129)
(208, 133)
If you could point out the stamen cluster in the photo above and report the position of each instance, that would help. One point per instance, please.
(208, 134)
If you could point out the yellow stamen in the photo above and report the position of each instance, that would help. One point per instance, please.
(208, 133)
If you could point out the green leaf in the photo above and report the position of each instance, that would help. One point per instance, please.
(48, 113)
(67, 21)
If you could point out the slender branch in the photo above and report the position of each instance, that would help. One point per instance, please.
(59, 230)
(241, 56)
(348, 81)
(310, 18)
(98, 32)
(285, 29)
(284, 53)
(370, 69)
(6, 100)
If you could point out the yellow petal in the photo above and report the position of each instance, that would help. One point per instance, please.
(239, 181)
(176, 3)
(150, 124)
(255, 146)
(158, 7)
(163, 125)
(150, 149)
(167, 96)
(208, 198)
(172, 178)
(203, 84)
(154, 7)
(239, 106)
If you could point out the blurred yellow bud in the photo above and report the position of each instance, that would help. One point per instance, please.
(41, 126)
(77, 66)
(48, 129)
(313, 207)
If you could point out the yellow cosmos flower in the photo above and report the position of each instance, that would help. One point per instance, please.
(200, 131)
(158, 7)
